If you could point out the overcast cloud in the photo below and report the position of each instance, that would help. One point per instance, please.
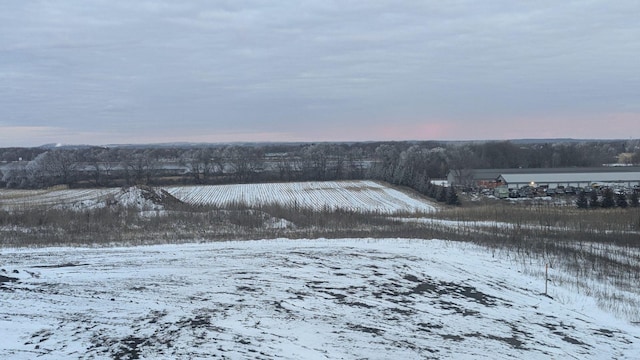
(115, 71)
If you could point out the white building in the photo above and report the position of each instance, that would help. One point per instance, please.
(577, 179)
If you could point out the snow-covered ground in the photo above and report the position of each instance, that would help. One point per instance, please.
(295, 299)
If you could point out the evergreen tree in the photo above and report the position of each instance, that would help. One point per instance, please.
(621, 200)
(452, 197)
(607, 198)
(634, 199)
(582, 202)
(421, 184)
(442, 194)
(433, 191)
(593, 199)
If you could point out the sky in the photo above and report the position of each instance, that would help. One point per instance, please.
(118, 71)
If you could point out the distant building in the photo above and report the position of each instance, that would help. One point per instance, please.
(484, 178)
(440, 182)
(551, 177)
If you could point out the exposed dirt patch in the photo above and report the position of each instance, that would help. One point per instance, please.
(159, 196)
(6, 279)
(433, 287)
(571, 340)
(452, 337)
(129, 348)
(366, 329)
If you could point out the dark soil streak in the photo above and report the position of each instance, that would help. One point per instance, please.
(56, 266)
(6, 279)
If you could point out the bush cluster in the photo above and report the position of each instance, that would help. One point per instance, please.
(608, 199)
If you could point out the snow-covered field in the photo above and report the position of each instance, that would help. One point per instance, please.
(77, 198)
(365, 196)
(295, 299)
(318, 195)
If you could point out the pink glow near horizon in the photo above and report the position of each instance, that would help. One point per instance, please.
(609, 126)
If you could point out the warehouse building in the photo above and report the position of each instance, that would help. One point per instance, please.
(627, 176)
(580, 180)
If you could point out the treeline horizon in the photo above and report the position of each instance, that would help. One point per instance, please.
(407, 163)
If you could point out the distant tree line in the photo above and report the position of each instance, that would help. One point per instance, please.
(165, 165)
(411, 164)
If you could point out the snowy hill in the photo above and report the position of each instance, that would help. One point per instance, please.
(295, 299)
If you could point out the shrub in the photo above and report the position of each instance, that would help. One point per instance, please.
(621, 200)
